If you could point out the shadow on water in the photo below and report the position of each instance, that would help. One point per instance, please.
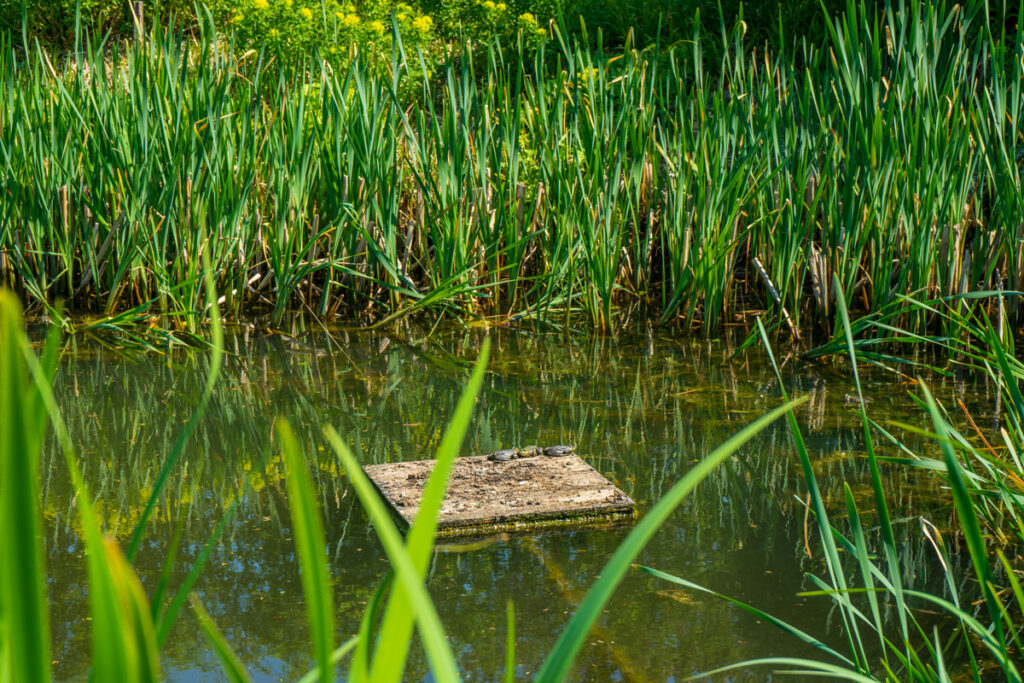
(641, 410)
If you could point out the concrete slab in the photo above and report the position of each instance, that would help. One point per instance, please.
(524, 494)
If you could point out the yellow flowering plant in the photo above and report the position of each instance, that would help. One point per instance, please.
(293, 29)
(483, 20)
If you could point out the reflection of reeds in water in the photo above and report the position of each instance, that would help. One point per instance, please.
(641, 412)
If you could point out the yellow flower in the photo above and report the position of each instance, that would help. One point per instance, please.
(489, 5)
(273, 33)
(527, 18)
(238, 18)
(422, 24)
(288, 3)
(306, 12)
(260, 4)
(502, 7)
(350, 20)
(377, 26)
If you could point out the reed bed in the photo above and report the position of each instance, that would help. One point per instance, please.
(552, 184)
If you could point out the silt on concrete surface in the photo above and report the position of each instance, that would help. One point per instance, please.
(486, 496)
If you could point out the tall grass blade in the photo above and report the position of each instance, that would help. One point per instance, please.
(389, 662)
(216, 360)
(439, 653)
(967, 515)
(881, 506)
(229, 662)
(510, 643)
(166, 618)
(339, 654)
(559, 661)
(311, 549)
(23, 605)
(124, 646)
(760, 614)
(833, 562)
(123, 638)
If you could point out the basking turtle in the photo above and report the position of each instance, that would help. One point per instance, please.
(530, 451)
(503, 455)
(555, 451)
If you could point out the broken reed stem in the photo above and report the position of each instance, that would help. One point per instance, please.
(775, 295)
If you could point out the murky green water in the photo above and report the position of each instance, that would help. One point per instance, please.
(641, 410)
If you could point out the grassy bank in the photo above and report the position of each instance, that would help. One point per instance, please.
(572, 182)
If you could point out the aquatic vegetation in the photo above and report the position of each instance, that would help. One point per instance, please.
(544, 184)
(892, 631)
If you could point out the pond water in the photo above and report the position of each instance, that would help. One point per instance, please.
(641, 409)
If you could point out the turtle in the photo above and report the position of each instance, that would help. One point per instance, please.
(504, 455)
(530, 451)
(554, 451)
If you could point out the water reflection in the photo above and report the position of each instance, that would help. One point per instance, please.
(642, 410)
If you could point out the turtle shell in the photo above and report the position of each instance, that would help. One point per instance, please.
(503, 455)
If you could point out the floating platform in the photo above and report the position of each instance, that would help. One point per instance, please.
(487, 497)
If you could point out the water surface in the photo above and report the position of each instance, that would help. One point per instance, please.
(641, 409)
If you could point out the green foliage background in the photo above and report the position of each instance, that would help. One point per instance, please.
(295, 26)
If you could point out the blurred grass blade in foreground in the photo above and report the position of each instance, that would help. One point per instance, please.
(24, 611)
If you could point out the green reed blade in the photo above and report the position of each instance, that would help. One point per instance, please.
(389, 658)
(966, 514)
(833, 562)
(170, 559)
(339, 654)
(23, 604)
(168, 615)
(864, 562)
(216, 360)
(881, 506)
(142, 661)
(559, 660)
(996, 648)
(123, 638)
(233, 669)
(791, 630)
(124, 644)
(5, 661)
(360, 668)
(419, 605)
(510, 642)
(310, 547)
(807, 667)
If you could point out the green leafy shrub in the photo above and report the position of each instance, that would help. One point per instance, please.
(52, 22)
